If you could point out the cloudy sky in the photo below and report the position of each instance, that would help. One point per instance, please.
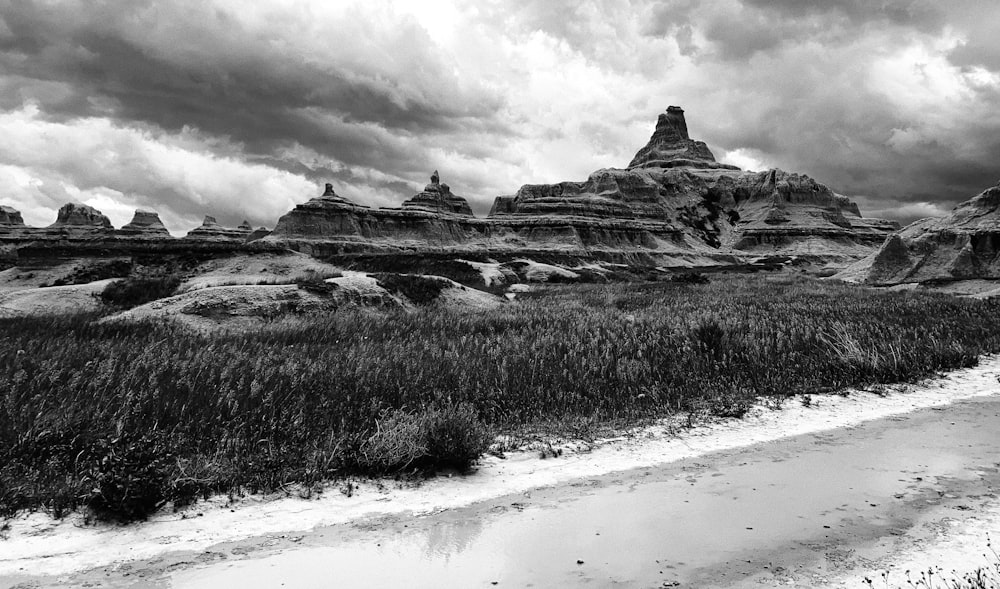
(242, 110)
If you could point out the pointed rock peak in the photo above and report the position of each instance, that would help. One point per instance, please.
(330, 196)
(672, 147)
(245, 225)
(77, 215)
(437, 197)
(435, 186)
(671, 126)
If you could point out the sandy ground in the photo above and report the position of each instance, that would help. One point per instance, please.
(40, 550)
(264, 268)
(52, 300)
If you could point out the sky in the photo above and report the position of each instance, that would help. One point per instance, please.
(242, 110)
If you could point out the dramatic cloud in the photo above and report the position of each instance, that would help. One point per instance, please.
(241, 110)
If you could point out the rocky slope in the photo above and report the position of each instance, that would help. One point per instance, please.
(964, 245)
(680, 192)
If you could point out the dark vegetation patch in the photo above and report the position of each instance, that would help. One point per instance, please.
(121, 418)
(98, 270)
(132, 292)
(422, 290)
(315, 282)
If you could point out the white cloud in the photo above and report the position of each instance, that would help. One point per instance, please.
(120, 169)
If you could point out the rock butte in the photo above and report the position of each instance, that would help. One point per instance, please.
(963, 245)
(673, 205)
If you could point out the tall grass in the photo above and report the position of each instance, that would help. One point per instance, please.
(123, 417)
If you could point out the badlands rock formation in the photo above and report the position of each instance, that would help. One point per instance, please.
(673, 205)
(210, 230)
(10, 219)
(145, 224)
(671, 147)
(680, 192)
(74, 218)
(437, 198)
(964, 245)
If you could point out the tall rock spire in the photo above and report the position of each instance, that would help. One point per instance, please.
(672, 147)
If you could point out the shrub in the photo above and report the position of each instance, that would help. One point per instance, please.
(689, 278)
(434, 438)
(132, 292)
(422, 290)
(315, 282)
(130, 481)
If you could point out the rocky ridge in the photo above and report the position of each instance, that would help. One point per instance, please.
(210, 230)
(964, 245)
(673, 205)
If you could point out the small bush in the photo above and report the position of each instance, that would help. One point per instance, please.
(422, 290)
(132, 292)
(448, 437)
(315, 282)
(689, 278)
(130, 481)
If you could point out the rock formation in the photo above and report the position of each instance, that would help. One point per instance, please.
(144, 224)
(437, 198)
(10, 219)
(673, 205)
(963, 245)
(332, 223)
(210, 230)
(778, 210)
(671, 147)
(675, 186)
(73, 216)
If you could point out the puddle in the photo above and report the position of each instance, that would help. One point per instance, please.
(785, 511)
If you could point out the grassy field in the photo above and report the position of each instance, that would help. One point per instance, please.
(122, 418)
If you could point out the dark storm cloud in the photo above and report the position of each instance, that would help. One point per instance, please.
(204, 70)
(195, 107)
(924, 15)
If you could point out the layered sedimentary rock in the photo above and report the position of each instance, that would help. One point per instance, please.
(437, 198)
(676, 187)
(74, 216)
(210, 230)
(779, 211)
(673, 204)
(145, 224)
(672, 147)
(10, 219)
(331, 222)
(964, 245)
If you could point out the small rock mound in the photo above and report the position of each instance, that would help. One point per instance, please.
(210, 230)
(74, 215)
(10, 218)
(145, 224)
(437, 198)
